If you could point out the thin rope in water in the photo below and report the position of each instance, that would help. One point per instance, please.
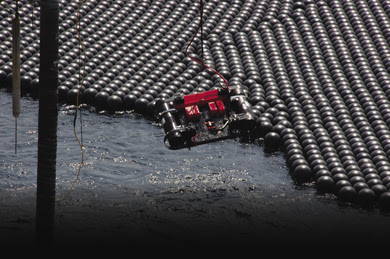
(82, 51)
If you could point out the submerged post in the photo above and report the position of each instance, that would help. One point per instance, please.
(47, 119)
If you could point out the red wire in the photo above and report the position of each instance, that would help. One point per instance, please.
(197, 61)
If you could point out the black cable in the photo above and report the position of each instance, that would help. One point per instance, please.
(201, 29)
(192, 40)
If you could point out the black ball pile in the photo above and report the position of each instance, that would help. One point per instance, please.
(316, 72)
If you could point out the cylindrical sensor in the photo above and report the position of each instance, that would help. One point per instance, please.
(16, 65)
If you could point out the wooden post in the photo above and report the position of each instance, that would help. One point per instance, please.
(47, 120)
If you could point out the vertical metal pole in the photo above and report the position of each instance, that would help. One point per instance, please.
(47, 120)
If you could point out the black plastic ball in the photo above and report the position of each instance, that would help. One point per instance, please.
(342, 183)
(379, 189)
(366, 196)
(151, 108)
(114, 103)
(89, 95)
(129, 101)
(373, 182)
(263, 127)
(140, 106)
(3, 75)
(302, 173)
(74, 96)
(62, 92)
(120, 94)
(34, 89)
(347, 193)
(272, 140)
(360, 185)
(325, 184)
(101, 98)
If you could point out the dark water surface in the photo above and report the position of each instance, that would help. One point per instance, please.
(133, 189)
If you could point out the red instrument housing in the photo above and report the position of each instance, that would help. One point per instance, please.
(194, 102)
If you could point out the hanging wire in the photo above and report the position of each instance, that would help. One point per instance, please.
(78, 110)
(200, 27)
